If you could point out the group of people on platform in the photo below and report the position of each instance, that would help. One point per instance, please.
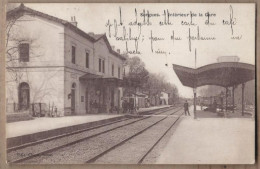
(212, 108)
(128, 106)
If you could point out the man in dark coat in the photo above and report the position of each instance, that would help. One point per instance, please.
(186, 108)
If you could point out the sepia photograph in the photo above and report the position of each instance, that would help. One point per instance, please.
(130, 83)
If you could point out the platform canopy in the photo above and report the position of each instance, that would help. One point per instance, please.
(102, 80)
(89, 76)
(225, 74)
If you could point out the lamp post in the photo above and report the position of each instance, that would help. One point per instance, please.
(226, 98)
(233, 99)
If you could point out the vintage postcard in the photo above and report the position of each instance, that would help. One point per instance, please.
(130, 83)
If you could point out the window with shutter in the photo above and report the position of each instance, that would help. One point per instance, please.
(87, 60)
(24, 52)
(112, 69)
(119, 72)
(99, 65)
(103, 66)
(73, 54)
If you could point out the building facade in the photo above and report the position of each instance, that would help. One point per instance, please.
(164, 98)
(52, 62)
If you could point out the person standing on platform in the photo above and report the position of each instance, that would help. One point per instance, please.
(186, 108)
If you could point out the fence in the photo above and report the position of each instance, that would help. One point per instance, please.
(34, 109)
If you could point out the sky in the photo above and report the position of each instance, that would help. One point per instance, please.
(95, 18)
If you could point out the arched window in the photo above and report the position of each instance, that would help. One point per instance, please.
(24, 96)
(24, 52)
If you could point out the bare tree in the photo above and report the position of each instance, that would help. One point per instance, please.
(17, 70)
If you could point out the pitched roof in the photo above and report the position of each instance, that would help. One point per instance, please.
(110, 48)
(93, 38)
(97, 37)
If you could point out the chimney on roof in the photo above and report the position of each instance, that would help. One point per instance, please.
(113, 47)
(118, 50)
(91, 34)
(73, 21)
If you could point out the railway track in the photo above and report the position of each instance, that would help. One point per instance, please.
(140, 160)
(161, 137)
(20, 153)
(78, 131)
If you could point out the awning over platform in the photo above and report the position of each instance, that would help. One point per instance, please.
(139, 94)
(102, 80)
(225, 74)
(113, 80)
(89, 76)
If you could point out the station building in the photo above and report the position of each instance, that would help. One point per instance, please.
(164, 98)
(52, 62)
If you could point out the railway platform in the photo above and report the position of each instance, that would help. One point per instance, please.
(141, 110)
(211, 140)
(22, 132)
(229, 114)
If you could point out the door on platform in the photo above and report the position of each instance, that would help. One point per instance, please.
(112, 98)
(24, 96)
(118, 99)
(73, 98)
(86, 101)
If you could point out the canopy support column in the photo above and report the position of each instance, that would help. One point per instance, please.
(135, 102)
(194, 103)
(243, 95)
(226, 98)
(233, 98)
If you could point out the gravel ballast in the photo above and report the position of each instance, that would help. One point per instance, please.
(27, 151)
(82, 151)
(153, 156)
(85, 150)
(133, 150)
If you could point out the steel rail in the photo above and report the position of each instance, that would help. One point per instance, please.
(80, 140)
(144, 156)
(66, 134)
(93, 159)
